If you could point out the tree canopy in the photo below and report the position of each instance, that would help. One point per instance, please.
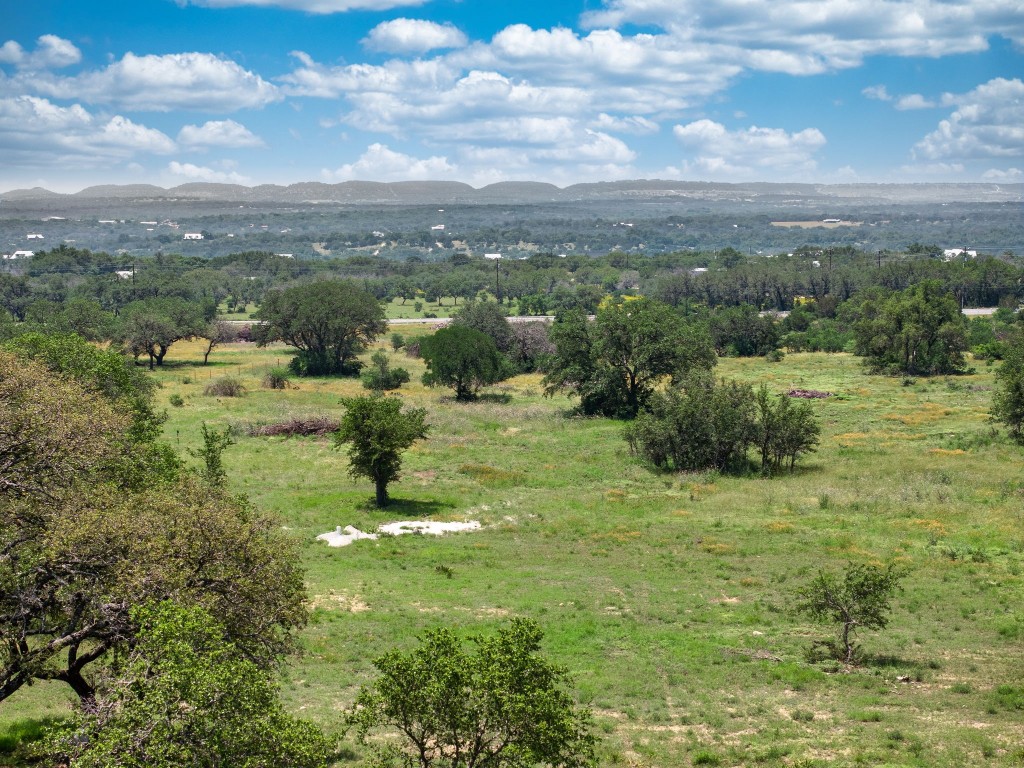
(1008, 398)
(462, 358)
(329, 322)
(377, 430)
(614, 363)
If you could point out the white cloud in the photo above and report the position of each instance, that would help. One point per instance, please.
(378, 163)
(913, 101)
(877, 92)
(988, 123)
(51, 52)
(309, 6)
(1006, 175)
(202, 173)
(635, 124)
(34, 132)
(218, 133)
(413, 36)
(823, 34)
(753, 153)
(191, 81)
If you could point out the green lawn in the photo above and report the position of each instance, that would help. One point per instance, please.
(668, 597)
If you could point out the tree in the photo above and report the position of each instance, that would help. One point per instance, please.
(329, 322)
(150, 326)
(80, 545)
(918, 331)
(381, 376)
(615, 363)
(742, 331)
(1008, 398)
(462, 358)
(218, 332)
(377, 431)
(186, 695)
(785, 430)
(212, 452)
(490, 318)
(502, 705)
(859, 599)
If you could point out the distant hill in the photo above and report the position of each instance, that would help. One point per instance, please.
(525, 192)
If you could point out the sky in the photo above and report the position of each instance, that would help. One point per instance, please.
(481, 91)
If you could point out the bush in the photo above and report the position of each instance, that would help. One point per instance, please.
(176, 401)
(229, 386)
(397, 341)
(277, 378)
(381, 376)
(297, 425)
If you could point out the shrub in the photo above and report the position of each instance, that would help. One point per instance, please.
(277, 378)
(381, 376)
(397, 341)
(176, 401)
(229, 386)
(297, 425)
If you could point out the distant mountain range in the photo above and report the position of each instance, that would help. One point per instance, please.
(512, 192)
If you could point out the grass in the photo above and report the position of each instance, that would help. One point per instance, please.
(667, 597)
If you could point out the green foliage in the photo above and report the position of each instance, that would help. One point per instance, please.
(150, 326)
(615, 363)
(463, 359)
(214, 445)
(861, 598)
(277, 378)
(707, 425)
(226, 386)
(397, 341)
(742, 332)
(381, 376)
(186, 695)
(377, 431)
(502, 705)
(490, 318)
(1008, 397)
(919, 331)
(329, 322)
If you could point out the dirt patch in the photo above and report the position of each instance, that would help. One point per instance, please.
(342, 537)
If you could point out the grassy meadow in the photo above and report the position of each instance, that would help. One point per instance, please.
(668, 597)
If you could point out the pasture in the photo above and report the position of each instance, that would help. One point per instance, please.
(668, 597)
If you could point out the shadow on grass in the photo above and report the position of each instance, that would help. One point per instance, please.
(501, 398)
(408, 509)
(24, 732)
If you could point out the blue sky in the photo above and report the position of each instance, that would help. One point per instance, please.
(282, 91)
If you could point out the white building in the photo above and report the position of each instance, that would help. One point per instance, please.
(34, 236)
(193, 236)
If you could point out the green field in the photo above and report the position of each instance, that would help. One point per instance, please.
(668, 597)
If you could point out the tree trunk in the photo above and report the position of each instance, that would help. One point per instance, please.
(382, 492)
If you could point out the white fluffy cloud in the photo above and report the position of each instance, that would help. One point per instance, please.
(51, 52)
(191, 81)
(753, 153)
(413, 36)
(218, 133)
(309, 6)
(379, 163)
(36, 132)
(1008, 175)
(823, 34)
(635, 124)
(988, 123)
(202, 173)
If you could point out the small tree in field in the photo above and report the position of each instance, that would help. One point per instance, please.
(1008, 399)
(859, 598)
(501, 706)
(377, 431)
(462, 358)
(381, 376)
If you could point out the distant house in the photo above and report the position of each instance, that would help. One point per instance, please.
(951, 253)
(492, 255)
(124, 274)
(193, 236)
(21, 255)
(438, 228)
(34, 236)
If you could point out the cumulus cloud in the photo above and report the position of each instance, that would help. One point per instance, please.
(190, 81)
(51, 52)
(761, 153)
(413, 36)
(309, 6)
(36, 132)
(218, 133)
(635, 124)
(379, 163)
(913, 101)
(877, 92)
(823, 34)
(988, 123)
(203, 173)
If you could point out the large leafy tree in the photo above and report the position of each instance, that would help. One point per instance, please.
(1008, 398)
(186, 695)
(501, 705)
(919, 331)
(615, 362)
(377, 430)
(150, 326)
(462, 358)
(329, 322)
(82, 540)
